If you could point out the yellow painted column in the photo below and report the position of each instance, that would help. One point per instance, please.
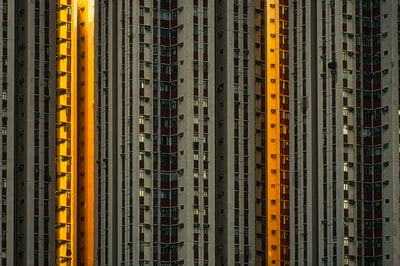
(65, 131)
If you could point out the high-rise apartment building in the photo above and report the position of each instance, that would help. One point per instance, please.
(156, 132)
(155, 138)
(28, 139)
(344, 133)
(174, 153)
(155, 148)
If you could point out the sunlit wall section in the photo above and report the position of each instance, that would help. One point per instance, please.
(85, 136)
(276, 97)
(65, 224)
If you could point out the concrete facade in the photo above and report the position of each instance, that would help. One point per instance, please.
(29, 108)
(174, 180)
(344, 133)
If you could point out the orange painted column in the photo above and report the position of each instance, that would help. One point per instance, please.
(85, 144)
(276, 113)
(272, 130)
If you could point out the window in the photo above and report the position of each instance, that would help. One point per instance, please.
(346, 204)
(236, 53)
(236, 124)
(346, 73)
(345, 167)
(345, 130)
(205, 49)
(196, 192)
(205, 15)
(346, 242)
(205, 84)
(141, 120)
(205, 174)
(245, 73)
(141, 137)
(236, 88)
